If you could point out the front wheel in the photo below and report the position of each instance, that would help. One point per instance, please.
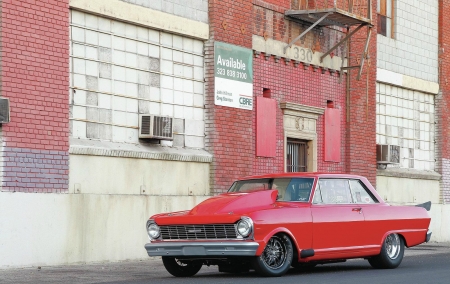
(276, 258)
(391, 254)
(181, 269)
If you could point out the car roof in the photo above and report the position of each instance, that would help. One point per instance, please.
(303, 174)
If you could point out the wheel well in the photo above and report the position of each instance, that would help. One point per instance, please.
(294, 245)
(403, 238)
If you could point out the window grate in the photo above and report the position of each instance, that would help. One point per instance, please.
(296, 156)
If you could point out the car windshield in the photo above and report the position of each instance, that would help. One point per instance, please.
(289, 189)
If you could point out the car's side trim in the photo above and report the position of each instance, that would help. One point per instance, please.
(340, 249)
(228, 248)
(306, 253)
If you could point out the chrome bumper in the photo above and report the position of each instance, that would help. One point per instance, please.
(227, 248)
(428, 236)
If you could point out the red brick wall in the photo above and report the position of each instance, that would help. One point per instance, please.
(35, 77)
(297, 85)
(361, 134)
(443, 101)
(231, 132)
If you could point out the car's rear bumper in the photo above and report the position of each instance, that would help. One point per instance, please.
(428, 236)
(225, 248)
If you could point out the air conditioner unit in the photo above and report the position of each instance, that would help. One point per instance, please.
(388, 154)
(4, 110)
(156, 127)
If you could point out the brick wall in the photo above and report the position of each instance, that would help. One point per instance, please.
(233, 27)
(35, 77)
(361, 125)
(443, 101)
(231, 132)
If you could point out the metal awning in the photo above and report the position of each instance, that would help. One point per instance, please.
(335, 17)
(332, 15)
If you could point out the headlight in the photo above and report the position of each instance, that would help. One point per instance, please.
(152, 230)
(245, 227)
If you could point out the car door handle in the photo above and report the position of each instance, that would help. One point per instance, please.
(357, 210)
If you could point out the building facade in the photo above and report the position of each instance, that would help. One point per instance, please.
(410, 99)
(254, 90)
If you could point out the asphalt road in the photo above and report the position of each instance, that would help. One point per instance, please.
(428, 263)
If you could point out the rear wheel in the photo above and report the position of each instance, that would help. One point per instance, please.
(276, 258)
(179, 268)
(391, 254)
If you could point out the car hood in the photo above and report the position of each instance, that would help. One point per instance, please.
(224, 208)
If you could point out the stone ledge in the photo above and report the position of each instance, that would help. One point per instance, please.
(409, 173)
(137, 151)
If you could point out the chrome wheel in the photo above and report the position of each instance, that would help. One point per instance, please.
(392, 246)
(274, 255)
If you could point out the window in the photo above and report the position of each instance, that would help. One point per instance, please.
(289, 189)
(342, 191)
(360, 193)
(296, 155)
(333, 191)
(385, 10)
(406, 118)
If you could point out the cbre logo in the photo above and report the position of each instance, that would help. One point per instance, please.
(246, 101)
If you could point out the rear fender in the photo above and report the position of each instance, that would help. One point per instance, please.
(263, 243)
(410, 237)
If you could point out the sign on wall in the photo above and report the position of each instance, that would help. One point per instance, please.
(233, 69)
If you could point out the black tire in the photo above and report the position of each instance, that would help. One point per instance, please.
(276, 258)
(181, 269)
(391, 254)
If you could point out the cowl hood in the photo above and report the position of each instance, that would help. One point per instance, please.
(229, 206)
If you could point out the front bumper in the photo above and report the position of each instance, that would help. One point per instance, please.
(428, 236)
(225, 248)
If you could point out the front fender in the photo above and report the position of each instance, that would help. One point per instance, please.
(262, 243)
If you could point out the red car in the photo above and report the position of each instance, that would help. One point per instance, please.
(272, 222)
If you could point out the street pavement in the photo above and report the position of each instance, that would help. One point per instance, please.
(426, 263)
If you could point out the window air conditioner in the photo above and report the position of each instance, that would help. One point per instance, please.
(388, 154)
(156, 127)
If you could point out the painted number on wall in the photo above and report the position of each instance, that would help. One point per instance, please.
(302, 54)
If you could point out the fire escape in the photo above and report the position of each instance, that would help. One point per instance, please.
(348, 15)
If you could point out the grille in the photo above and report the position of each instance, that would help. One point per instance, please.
(162, 126)
(145, 128)
(195, 232)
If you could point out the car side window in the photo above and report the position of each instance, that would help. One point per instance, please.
(298, 189)
(335, 191)
(360, 193)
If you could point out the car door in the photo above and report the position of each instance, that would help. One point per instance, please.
(337, 222)
(377, 216)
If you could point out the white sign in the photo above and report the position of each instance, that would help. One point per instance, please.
(233, 68)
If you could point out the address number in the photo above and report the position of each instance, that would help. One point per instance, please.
(302, 54)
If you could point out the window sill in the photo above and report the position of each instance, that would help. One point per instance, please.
(137, 151)
(409, 173)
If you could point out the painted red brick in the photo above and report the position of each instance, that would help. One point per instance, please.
(35, 78)
(231, 132)
(442, 102)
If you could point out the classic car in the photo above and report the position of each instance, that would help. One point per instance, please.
(272, 222)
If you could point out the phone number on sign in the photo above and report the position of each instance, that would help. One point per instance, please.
(231, 73)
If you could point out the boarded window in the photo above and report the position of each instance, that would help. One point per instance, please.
(332, 135)
(266, 127)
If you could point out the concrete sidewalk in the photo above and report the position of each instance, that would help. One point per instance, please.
(136, 270)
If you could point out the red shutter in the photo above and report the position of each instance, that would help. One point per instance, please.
(332, 135)
(266, 117)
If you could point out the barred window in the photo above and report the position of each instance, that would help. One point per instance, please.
(296, 155)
